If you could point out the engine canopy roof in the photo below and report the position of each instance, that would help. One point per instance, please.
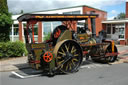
(55, 17)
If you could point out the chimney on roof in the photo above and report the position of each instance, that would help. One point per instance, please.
(126, 9)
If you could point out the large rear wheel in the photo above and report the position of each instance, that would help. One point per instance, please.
(68, 56)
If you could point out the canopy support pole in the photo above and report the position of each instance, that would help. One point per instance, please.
(20, 31)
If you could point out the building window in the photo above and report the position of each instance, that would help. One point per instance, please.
(36, 29)
(108, 28)
(76, 12)
(121, 33)
(55, 24)
(49, 26)
(114, 30)
(118, 29)
(16, 29)
(67, 13)
(72, 12)
(92, 12)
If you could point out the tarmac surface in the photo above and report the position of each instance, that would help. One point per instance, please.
(21, 62)
(116, 74)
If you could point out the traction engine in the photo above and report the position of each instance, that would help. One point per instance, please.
(65, 49)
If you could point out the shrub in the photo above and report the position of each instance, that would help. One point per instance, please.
(12, 49)
(47, 36)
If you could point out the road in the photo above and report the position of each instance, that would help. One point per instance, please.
(116, 74)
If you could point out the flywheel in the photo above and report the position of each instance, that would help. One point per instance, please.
(57, 32)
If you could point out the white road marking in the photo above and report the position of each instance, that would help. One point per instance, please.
(84, 59)
(93, 66)
(13, 72)
(20, 76)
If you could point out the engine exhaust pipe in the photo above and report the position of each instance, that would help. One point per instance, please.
(93, 27)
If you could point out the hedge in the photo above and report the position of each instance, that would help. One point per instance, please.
(47, 36)
(12, 49)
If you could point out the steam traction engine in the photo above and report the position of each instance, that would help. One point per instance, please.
(65, 49)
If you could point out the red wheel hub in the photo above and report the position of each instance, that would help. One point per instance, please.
(47, 56)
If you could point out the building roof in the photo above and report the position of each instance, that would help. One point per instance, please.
(116, 21)
(14, 17)
(69, 8)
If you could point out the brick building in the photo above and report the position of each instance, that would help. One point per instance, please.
(45, 27)
(118, 29)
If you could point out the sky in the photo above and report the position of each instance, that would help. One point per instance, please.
(112, 7)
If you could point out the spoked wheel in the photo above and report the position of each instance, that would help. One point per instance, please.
(109, 50)
(106, 58)
(68, 56)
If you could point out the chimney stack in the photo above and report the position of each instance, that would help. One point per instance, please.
(126, 9)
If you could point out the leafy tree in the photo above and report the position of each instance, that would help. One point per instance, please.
(47, 36)
(3, 7)
(120, 16)
(5, 21)
(21, 12)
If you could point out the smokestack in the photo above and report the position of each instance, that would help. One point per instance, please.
(93, 27)
(126, 9)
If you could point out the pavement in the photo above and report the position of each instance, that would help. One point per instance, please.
(13, 64)
(21, 62)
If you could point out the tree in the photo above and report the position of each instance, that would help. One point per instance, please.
(5, 21)
(120, 16)
(3, 6)
(21, 12)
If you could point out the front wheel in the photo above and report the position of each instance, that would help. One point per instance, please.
(106, 58)
(109, 50)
